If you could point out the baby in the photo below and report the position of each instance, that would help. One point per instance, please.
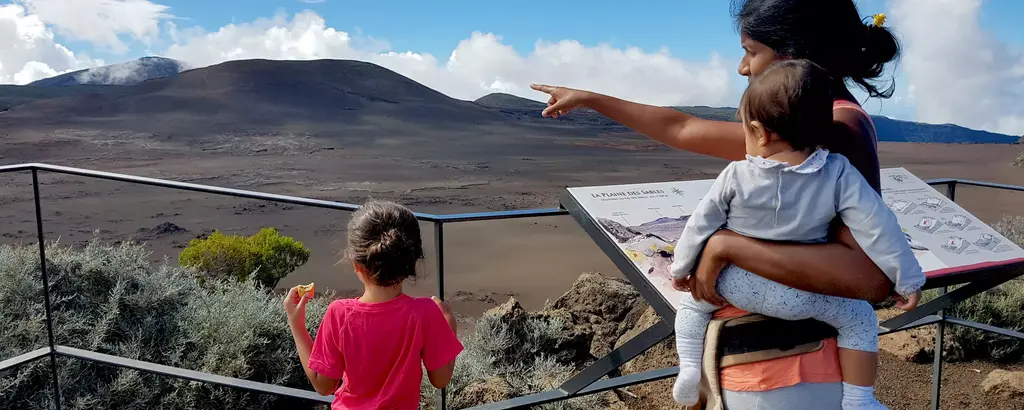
(791, 189)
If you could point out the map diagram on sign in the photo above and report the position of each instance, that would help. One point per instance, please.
(644, 222)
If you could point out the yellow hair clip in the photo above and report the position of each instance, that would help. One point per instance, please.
(879, 20)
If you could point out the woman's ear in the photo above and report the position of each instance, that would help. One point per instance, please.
(760, 133)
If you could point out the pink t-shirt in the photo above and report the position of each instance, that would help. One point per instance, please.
(376, 350)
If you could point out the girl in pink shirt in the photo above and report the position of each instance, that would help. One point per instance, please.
(378, 343)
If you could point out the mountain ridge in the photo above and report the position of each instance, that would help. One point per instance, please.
(275, 93)
(126, 73)
(888, 129)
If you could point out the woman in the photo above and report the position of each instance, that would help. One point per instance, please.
(832, 34)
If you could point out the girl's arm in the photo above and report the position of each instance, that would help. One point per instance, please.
(708, 217)
(304, 344)
(443, 346)
(837, 268)
(295, 308)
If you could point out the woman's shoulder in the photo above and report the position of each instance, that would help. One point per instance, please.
(853, 116)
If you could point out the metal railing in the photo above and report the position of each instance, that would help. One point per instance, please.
(591, 386)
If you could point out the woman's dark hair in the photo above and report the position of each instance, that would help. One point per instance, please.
(384, 237)
(831, 33)
(793, 99)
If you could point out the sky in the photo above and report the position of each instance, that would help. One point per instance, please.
(963, 60)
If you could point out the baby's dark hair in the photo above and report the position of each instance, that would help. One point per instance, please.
(384, 237)
(831, 33)
(793, 99)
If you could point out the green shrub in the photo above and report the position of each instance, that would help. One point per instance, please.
(266, 257)
(111, 300)
(1001, 307)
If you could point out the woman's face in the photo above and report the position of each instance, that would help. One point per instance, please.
(756, 57)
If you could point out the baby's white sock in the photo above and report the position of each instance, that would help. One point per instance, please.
(686, 390)
(860, 398)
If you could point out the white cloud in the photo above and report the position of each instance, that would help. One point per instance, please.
(29, 51)
(957, 71)
(101, 22)
(478, 65)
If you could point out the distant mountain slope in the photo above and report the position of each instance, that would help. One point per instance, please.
(889, 130)
(268, 92)
(906, 131)
(128, 73)
(336, 96)
(13, 95)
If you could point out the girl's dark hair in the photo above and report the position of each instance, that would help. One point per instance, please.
(793, 99)
(384, 237)
(831, 33)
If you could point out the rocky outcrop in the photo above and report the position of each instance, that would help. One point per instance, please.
(600, 307)
(600, 314)
(1004, 383)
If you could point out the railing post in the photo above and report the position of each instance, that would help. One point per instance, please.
(442, 402)
(40, 237)
(940, 329)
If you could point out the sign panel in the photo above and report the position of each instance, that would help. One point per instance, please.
(644, 222)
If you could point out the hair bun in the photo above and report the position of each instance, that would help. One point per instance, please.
(391, 239)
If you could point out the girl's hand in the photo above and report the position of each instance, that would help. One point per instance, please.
(908, 303)
(562, 99)
(295, 306)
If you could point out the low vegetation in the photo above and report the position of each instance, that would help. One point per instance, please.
(110, 299)
(1001, 307)
(510, 358)
(264, 258)
(1019, 162)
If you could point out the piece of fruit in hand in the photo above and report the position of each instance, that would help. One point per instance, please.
(304, 289)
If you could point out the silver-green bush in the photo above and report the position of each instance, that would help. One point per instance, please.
(109, 299)
(507, 358)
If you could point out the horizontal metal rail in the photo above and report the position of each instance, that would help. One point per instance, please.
(984, 327)
(140, 365)
(438, 220)
(320, 203)
(927, 320)
(263, 196)
(25, 358)
(550, 396)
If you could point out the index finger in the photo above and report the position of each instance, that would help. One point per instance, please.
(543, 88)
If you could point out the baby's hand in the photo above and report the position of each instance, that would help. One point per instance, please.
(682, 284)
(908, 303)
